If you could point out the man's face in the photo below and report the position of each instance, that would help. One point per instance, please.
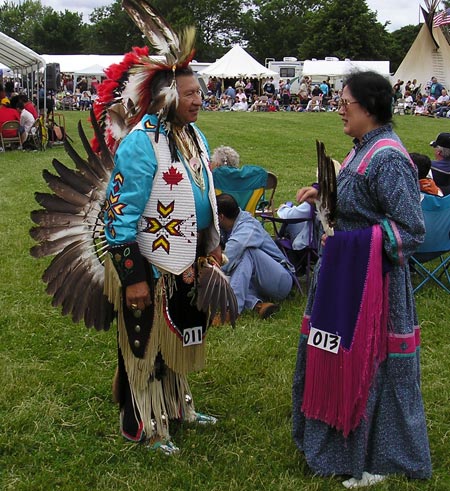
(189, 99)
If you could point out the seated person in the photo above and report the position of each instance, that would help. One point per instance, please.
(8, 113)
(257, 269)
(426, 183)
(26, 122)
(85, 101)
(440, 166)
(224, 156)
(260, 104)
(420, 109)
(29, 106)
(245, 184)
(298, 233)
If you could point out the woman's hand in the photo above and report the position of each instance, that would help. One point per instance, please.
(308, 193)
(138, 296)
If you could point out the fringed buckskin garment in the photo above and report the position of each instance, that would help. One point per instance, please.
(361, 410)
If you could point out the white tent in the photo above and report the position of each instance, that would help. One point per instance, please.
(92, 70)
(339, 68)
(18, 57)
(22, 62)
(237, 63)
(426, 58)
(75, 63)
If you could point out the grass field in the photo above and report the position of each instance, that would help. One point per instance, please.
(59, 427)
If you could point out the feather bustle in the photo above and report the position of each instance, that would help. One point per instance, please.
(81, 164)
(48, 219)
(95, 163)
(106, 156)
(63, 190)
(72, 178)
(53, 203)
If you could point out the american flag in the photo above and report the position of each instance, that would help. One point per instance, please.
(442, 18)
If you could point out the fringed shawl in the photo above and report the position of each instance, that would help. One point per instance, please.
(351, 301)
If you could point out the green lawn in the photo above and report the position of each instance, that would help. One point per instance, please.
(59, 426)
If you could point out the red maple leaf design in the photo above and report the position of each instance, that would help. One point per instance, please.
(172, 177)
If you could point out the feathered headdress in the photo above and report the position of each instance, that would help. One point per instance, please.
(126, 96)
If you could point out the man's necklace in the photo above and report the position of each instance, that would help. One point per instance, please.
(190, 154)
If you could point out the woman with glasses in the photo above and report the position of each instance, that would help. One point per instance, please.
(357, 405)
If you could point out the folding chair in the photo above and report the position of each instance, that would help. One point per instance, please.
(442, 179)
(304, 259)
(246, 184)
(266, 203)
(436, 246)
(13, 128)
(36, 138)
(57, 130)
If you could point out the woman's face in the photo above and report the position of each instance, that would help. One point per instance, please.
(357, 120)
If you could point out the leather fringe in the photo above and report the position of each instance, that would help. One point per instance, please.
(157, 401)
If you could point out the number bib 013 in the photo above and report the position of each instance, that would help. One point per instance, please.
(324, 340)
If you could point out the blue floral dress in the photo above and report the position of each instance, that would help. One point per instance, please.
(377, 185)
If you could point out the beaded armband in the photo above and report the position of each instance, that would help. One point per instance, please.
(129, 263)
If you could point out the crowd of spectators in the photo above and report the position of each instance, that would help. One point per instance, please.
(249, 95)
(432, 100)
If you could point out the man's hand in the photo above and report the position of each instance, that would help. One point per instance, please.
(217, 255)
(138, 296)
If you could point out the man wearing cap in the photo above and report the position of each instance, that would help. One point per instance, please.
(8, 113)
(440, 167)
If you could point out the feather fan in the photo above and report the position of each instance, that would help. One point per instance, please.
(327, 189)
(214, 291)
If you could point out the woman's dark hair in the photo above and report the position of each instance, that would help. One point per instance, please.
(423, 163)
(373, 92)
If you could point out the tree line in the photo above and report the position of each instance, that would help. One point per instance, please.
(266, 28)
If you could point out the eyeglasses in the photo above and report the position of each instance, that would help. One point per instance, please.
(344, 103)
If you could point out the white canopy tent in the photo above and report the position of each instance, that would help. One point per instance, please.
(336, 69)
(77, 63)
(22, 62)
(339, 68)
(97, 70)
(235, 64)
(17, 57)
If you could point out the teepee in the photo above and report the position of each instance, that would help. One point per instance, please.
(429, 55)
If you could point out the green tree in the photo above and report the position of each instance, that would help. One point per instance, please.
(345, 29)
(111, 31)
(18, 21)
(58, 33)
(217, 23)
(218, 26)
(275, 28)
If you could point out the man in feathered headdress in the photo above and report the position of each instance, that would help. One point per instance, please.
(160, 218)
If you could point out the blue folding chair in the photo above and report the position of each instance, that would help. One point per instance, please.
(246, 184)
(436, 246)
